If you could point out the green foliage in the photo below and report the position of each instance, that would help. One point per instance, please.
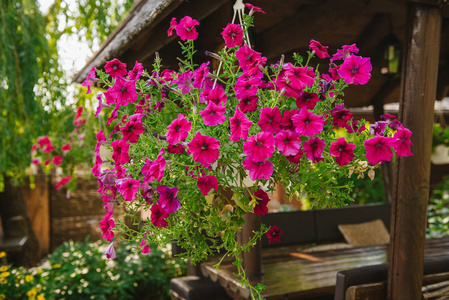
(79, 269)
(366, 190)
(440, 135)
(438, 210)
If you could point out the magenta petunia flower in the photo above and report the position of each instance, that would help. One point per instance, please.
(154, 170)
(286, 121)
(167, 198)
(288, 142)
(258, 170)
(147, 192)
(354, 127)
(314, 149)
(106, 226)
(123, 91)
(247, 86)
(307, 100)
(158, 216)
(248, 104)
(120, 152)
(131, 131)
(186, 28)
(57, 160)
(135, 73)
(259, 146)
(217, 95)
(146, 248)
(254, 8)
(178, 130)
(378, 149)
(403, 142)
(213, 114)
(128, 188)
(391, 120)
(100, 138)
(232, 35)
(262, 199)
(295, 159)
(274, 234)
(340, 115)
(204, 148)
(48, 148)
(356, 70)
(206, 183)
(110, 252)
(200, 75)
(345, 52)
(185, 82)
(63, 181)
(249, 60)
(239, 126)
(176, 149)
(320, 50)
(172, 27)
(378, 128)
(307, 123)
(90, 79)
(115, 68)
(43, 141)
(270, 119)
(342, 151)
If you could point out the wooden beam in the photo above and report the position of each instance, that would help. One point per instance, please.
(409, 209)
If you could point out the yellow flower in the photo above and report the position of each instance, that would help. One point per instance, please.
(28, 278)
(2, 296)
(3, 268)
(3, 281)
(2, 254)
(5, 274)
(40, 271)
(40, 297)
(32, 293)
(56, 266)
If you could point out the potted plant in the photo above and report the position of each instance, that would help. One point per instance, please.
(183, 141)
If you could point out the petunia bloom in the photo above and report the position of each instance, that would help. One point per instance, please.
(217, 95)
(115, 68)
(57, 160)
(178, 130)
(248, 104)
(186, 28)
(120, 153)
(146, 248)
(172, 27)
(270, 119)
(258, 170)
(106, 225)
(403, 142)
(286, 121)
(288, 142)
(206, 183)
(63, 181)
(90, 79)
(378, 149)
(274, 234)
(239, 126)
(154, 170)
(262, 199)
(213, 114)
(253, 9)
(204, 148)
(158, 216)
(259, 146)
(314, 149)
(132, 130)
(128, 188)
(320, 50)
(342, 151)
(354, 127)
(135, 73)
(123, 91)
(110, 252)
(391, 120)
(66, 148)
(167, 198)
(307, 123)
(378, 128)
(233, 35)
(307, 100)
(340, 115)
(345, 52)
(356, 70)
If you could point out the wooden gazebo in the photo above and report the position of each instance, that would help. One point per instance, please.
(422, 26)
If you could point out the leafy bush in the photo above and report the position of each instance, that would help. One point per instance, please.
(438, 210)
(80, 270)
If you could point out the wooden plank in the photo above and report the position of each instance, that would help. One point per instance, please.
(409, 211)
(371, 291)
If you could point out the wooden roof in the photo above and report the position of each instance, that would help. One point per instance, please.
(286, 27)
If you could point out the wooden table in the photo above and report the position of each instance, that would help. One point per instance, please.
(292, 271)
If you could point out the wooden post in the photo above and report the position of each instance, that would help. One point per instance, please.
(252, 260)
(409, 209)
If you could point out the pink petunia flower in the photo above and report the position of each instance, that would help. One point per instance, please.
(239, 126)
(314, 149)
(158, 216)
(36, 161)
(213, 114)
(167, 198)
(146, 248)
(286, 121)
(262, 199)
(248, 104)
(131, 131)
(403, 142)
(186, 28)
(340, 115)
(63, 181)
(154, 170)
(185, 82)
(378, 128)
(128, 188)
(66, 148)
(147, 192)
(48, 148)
(288, 142)
(354, 127)
(307, 123)
(342, 151)
(178, 130)
(378, 149)
(254, 8)
(123, 91)
(307, 100)
(100, 138)
(345, 52)
(110, 252)
(172, 27)
(204, 148)
(259, 146)
(270, 119)
(43, 141)
(274, 234)
(200, 75)
(249, 60)
(135, 73)
(233, 35)
(391, 120)
(106, 225)
(247, 86)
(90, 79)
(57, 160)
(206, 183)
(217, 95)
(120, 152)
(356, 70)
(320, 50)
(295, 159)
(176, 149)
(258, 170)
(115, 68)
